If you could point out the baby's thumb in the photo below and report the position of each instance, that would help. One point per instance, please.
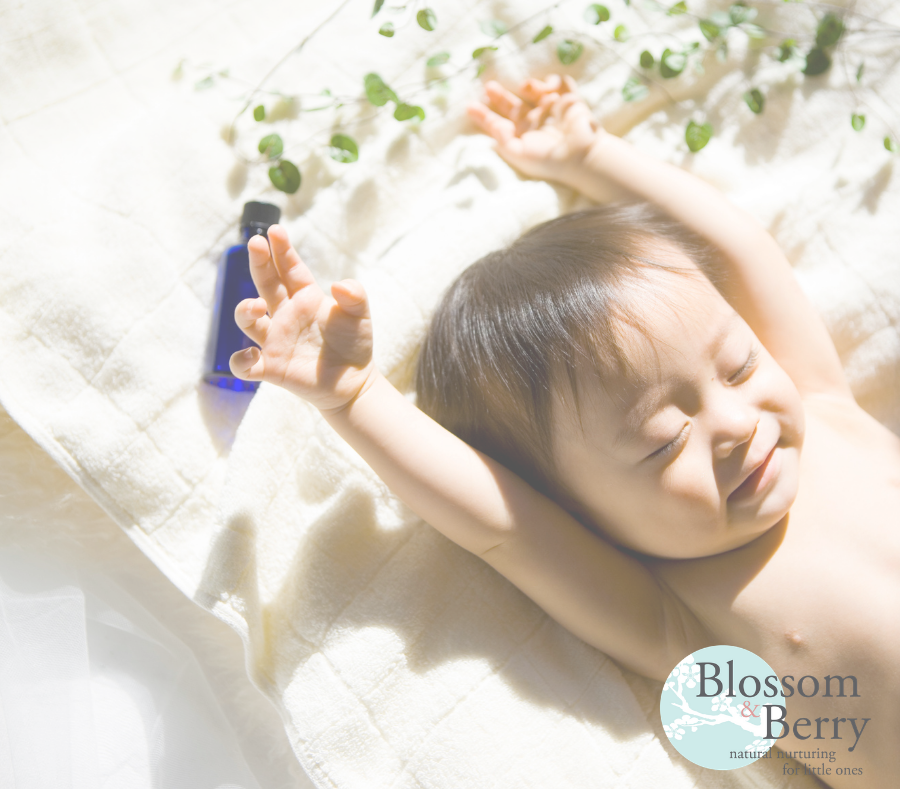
(351, 297)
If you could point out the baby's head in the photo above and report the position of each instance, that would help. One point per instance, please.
(595, 358)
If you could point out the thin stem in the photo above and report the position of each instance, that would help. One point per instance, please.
(282, 61)
(830, 7)
(865, 31)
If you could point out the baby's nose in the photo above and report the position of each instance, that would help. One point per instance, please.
(739, 431)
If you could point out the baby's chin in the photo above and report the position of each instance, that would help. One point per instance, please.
(755, 517)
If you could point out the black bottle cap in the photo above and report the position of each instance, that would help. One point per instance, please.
(258, 217)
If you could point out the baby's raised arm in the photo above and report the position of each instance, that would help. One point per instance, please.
(551, 135)
(320, 348)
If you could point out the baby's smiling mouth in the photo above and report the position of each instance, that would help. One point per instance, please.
(758, 479)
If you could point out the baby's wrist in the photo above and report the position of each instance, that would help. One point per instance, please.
(600, 152)
(604, 172)
(371, 381)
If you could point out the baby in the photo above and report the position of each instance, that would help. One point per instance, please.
(634, 414)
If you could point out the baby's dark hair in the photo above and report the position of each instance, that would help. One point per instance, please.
(522, 320)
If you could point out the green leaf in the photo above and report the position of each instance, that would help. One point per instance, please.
(739, 13)
(568, 51)
(406, 111)
(477, 53)
(678, 8)
(271, 145)
(722, 52)
(437, 60)
(647, 59)
(426, 19)
(377, 92)
(344, 149)
(787, 49)
(594, 14)
(671, 64)
(480, 69)
(387, 30)
(755, 100)
(634, 90)
(285, 176)
(621, 33)
(721, 19)
(857, 121)
(890, 145)
(494, 28)
(829, 31)
(710, 31)
(696, 136)
(543, 34)
(859, 71)
(205, 83)
(753, 31)
(377, 7)
(817, 62)
(259, 113)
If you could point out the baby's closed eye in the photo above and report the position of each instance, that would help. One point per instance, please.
(743, 373)
(670, 448)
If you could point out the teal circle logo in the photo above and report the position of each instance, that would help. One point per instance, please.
(721, 707)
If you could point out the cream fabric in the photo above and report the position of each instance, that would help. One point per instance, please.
(396, 658)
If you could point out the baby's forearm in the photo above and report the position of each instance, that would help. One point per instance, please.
(462, 493)
(692, 201)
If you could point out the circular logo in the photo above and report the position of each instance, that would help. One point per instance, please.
(721, 707)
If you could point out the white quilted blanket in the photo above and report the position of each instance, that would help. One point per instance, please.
(396, 658)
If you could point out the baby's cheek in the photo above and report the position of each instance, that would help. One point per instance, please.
(691, 484)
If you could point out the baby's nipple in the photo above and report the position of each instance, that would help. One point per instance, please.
(795, 639)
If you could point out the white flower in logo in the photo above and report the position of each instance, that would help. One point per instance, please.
(692, 674)
(721, 702)
(674, 731)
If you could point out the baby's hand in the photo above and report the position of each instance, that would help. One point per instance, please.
(545, 135)
(316, 346)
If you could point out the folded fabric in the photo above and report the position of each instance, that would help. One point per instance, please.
(396, 658)
(97, 693)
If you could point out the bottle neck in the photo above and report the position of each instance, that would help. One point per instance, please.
(253, 229)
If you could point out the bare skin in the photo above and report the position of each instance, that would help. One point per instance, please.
(755, 502)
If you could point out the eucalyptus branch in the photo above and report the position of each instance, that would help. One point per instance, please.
(284, 60)
(810, 50)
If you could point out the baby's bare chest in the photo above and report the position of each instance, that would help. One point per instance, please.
(821, 597)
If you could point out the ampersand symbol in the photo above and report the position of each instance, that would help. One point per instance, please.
(747, 708)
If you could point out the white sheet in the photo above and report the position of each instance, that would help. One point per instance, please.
(62, 560)
(96, 693)
(396, 658)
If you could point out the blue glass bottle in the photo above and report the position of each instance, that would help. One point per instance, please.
(233, 285)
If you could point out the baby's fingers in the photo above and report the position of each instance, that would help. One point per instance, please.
(351, 298)
(534, 89)
(501, 129)
(293, 271)
(248, 365)
(264, 274)
(538, 115)
(250, 316)
(506, 104)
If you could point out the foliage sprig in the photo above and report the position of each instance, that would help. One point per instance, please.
(655, 65)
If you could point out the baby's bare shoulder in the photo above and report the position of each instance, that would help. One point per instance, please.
(848, 421)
